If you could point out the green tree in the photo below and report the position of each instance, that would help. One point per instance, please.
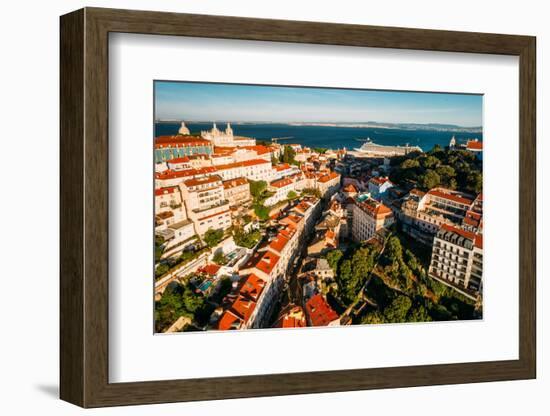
(213, 237)
(418, 314)
(374, 317)
(288, 155)
(246, 239)
(333, 258)
(219, 258)
(257, 189)
(430, 162)
(261, 211)
(192, 301)
(397, 310)
(447, 175)
(292, 195)
(410, 164)
(159, 249)
(393, 251)
(430, 179)
(342, 279)
(161, 269)
(475, 182)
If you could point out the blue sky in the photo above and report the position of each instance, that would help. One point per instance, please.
(236, 102)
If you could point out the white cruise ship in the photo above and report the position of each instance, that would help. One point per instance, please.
(369, 147)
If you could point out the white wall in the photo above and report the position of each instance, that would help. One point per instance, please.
(29, 85)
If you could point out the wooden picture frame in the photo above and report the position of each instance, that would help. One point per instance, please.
(84, 207)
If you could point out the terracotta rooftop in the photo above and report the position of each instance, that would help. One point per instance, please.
(165, 191)
(379, 181)
(474, 145)
(479, 241)
(278, 243)
(186, 173)
(319, 311)
(202, 181)
(232, 183)
(229, 321)
(282, 166)
(281, 183)
(450, 196)
(374, 208)
(263, 261)
(180, 141)
(246, 163)
(252, 286)
(165, 215)
(463, 233)
(259, 149)
(328, 177)
(211, 269)
(177, 160)
(292, 316)
(350, 188)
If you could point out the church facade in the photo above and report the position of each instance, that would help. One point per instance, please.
(226, 138)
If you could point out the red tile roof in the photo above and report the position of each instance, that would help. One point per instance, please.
(288, 233)
(263, 261)
(223, 150)
(463, 233)
(246, 163)
(211, 269)
(187, 173)
(165, 191)
(177, 160)
(450, 196)
(249, 290)
(202, 181)
(350, 188)
(374, 208)
(232, 183)
(259, 149)
(291, 220)
(281, 183)
(474, 145)
(278, 243)
(165, 215)
(229, 320)
(479, 241)
(281, 166)
(252, 286)
(379, 181)
(243, 307)
(328, 177)
(291, 317)
(180, 141)
(319, 311)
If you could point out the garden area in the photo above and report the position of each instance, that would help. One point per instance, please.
(398, 288)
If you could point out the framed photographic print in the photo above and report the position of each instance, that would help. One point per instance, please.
(261, 207)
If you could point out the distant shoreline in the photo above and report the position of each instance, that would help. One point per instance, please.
(388, 126)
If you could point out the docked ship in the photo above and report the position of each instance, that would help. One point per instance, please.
(371, 148)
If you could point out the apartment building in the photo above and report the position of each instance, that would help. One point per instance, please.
(457, 260)
(367, 217)
(237, 191)
(255, 169)
(205, 203)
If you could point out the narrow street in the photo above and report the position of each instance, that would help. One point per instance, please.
(294, 291)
